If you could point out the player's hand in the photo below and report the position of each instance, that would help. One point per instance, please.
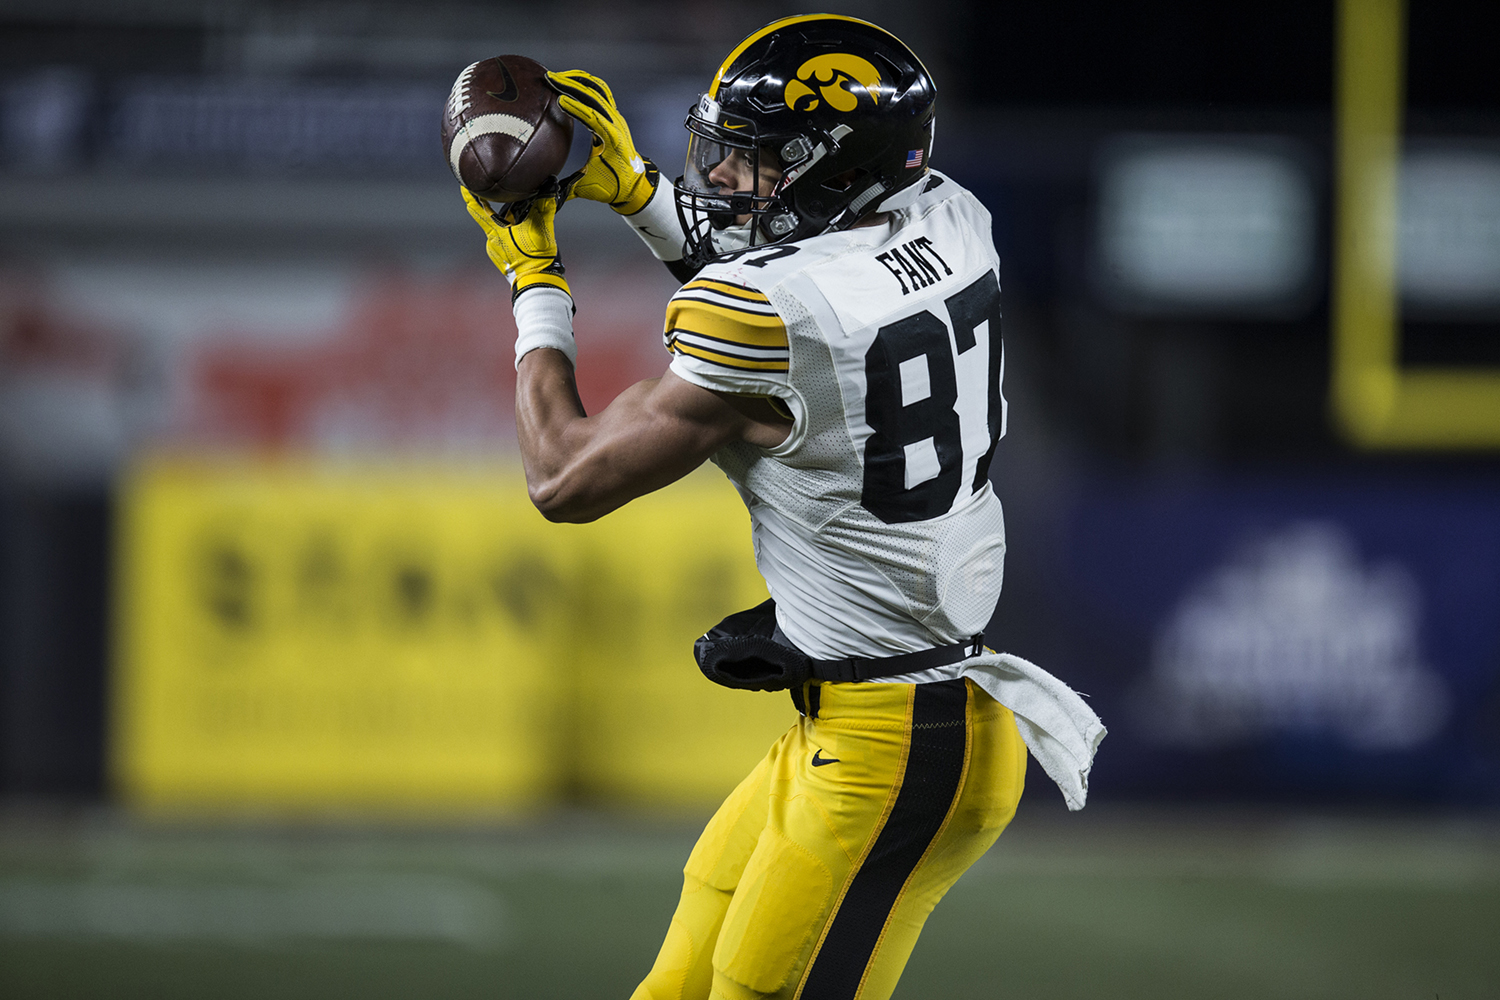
(616, 174)
(520, 239)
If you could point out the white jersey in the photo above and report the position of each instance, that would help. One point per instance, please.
(874, 523)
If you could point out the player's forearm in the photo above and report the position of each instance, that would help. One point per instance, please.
(579, 468)
(547, 411)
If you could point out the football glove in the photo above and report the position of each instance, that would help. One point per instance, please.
(520, 239)
(615, 174)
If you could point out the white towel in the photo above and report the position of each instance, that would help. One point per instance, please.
(1060, 730)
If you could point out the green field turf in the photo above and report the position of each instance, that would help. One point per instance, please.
(1106, 904)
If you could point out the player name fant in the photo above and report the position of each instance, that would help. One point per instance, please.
(916, 252)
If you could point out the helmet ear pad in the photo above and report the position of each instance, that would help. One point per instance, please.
(822, 196)
(819, 201)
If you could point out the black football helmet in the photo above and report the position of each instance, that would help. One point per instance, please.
(833, 114)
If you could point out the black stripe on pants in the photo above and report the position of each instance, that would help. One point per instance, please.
(934, 769)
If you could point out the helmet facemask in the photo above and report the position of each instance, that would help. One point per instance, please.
(730, 197)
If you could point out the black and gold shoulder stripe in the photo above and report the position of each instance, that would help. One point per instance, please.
(727, 325)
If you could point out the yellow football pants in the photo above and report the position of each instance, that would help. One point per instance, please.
(815, 876)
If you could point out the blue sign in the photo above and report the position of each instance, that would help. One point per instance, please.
(1320, 641)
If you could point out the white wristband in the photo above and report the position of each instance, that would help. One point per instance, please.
(544, 318)
(658, 224)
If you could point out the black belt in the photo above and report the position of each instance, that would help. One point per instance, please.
(868, 668)
(748, 651)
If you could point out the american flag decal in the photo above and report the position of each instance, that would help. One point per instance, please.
(914, 159)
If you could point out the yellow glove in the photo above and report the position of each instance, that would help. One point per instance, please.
(522, 242)
(616, 174)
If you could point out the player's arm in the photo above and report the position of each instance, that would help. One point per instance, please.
(579, 467)
(617, 174)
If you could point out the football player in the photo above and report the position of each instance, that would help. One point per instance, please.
(835, 350)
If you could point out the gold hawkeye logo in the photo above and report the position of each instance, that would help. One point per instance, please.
(832, 75)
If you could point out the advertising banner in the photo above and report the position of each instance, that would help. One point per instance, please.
(1288, 638)
(394, 638)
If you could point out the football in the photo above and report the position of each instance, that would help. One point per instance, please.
(504, 133)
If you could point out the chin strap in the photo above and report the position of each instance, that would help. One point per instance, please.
(903, 198)
(869, 194)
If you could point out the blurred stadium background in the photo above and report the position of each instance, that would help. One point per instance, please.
(298, 697)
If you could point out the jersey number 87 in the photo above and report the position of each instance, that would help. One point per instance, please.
(899, 424)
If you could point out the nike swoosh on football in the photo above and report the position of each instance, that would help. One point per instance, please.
(511, 91)
(819, 760)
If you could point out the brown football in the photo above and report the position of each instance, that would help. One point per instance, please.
(504, 133)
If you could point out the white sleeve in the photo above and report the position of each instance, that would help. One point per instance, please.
(658, 224)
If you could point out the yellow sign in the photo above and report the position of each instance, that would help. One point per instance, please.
(832, 73)
(1377, 402)
(305, 638)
